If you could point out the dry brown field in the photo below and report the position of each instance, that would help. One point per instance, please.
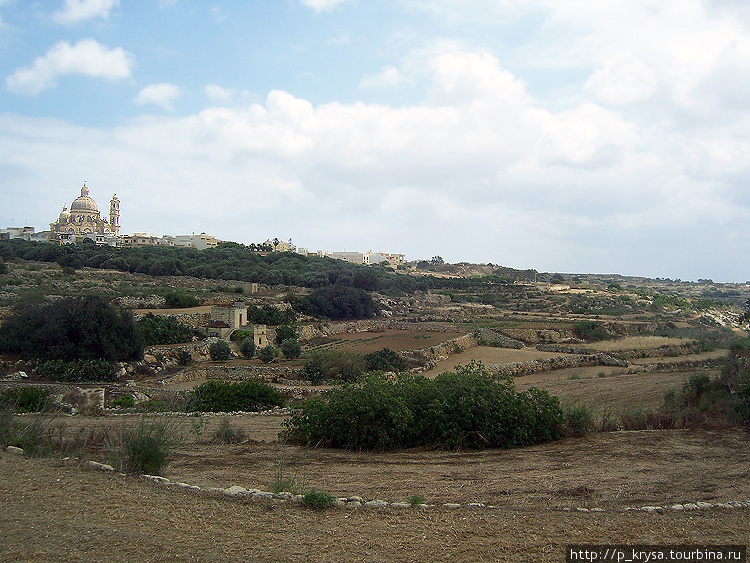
(489, 355)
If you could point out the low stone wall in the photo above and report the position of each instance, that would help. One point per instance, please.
(234, 373)
(321, 330)
(517, 369)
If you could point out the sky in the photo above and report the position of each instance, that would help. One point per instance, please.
(563, 135)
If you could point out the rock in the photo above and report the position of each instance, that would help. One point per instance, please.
(690, 506)
(400, 505)
(677, 507)
(597, 510)
(235, 491)
(186, 486)
(102, 466)
(157, 479)
(262, 494)
(14, 450)
(704, 505)
(451, 505)
(476, 505)
(353, 504)
(580, 509)
(376, 504)
(651, 508)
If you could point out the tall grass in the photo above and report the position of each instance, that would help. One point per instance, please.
(145, 448)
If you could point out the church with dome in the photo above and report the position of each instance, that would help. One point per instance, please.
(83, 221)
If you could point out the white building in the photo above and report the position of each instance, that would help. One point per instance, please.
(201, 241)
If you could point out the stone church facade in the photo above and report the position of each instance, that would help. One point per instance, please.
(84, 221)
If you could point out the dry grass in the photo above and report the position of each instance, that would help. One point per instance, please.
(637, 343)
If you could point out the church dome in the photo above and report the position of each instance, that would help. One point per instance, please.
(84, 202)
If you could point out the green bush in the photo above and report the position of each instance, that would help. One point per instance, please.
(465, 409)
(25, 399)
(590, 331)
(72, 328)
(384, 360)
(179, 300)
(579, 421)
(229, 396)
(318, 499)
(78, 371)
(219, 351)
(162, 330)
(125, 402)
(145, 448)
(333, 365)
(291, 348)
(184, 358)
(247, 348)
(266, 354)
(284, 332)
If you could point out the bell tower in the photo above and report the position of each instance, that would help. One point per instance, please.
(114, 214)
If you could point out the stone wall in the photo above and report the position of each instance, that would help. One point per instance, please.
(517, 369)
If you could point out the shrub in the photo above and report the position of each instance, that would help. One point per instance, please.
(291, 349)
(415, 499)
(228, 434)
(590, 331)
(72, 328)
(126, 402)
(162, 330)
(285, 484)
(318, 499)
(145, 448)
(266, 354)
(384, 360)
(219, 351)
(338, 302)
(78, 371)
(179, 300)
(465, 409)
(184, 358)
(229, 396)
(579, 421)
(333, 365)
(284, 332)
(247, 348)
(25, 399)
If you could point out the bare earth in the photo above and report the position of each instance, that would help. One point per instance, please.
(61, 512)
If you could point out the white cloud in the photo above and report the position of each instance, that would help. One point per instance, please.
(389, 77)
(217, 94)
(162, 94)
(75, 11)
(87, 57)
(621, 82)
(322, 5)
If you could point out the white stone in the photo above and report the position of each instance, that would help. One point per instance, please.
(579, 509)
(476, 505)
(704, 505)
(157, 479)
(451, 505)
(235, 491)
(102, 466)
(376, 504)
(14, 450)
(597, 510)
(400, 505)
(678, 507)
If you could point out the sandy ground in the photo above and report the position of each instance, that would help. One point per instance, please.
(61, 512)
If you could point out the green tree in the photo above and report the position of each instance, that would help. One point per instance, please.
(219, 351)
(267, 354)
(284, 332)
(72, 328)
(291, 348)
(247, 348)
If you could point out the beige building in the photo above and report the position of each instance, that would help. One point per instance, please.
(201, 241)
(84, 221)
(225, 320)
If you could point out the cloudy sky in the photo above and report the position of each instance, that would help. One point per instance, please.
(561, 135)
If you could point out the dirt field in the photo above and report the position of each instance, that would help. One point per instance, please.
(489, 355)
(396, 340)
(53, 512)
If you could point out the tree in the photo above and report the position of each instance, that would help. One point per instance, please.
(437, 261)
(284, 332)
(247, 348)
(219, 351)
(291, 348)
(267, 354)
(72, 328)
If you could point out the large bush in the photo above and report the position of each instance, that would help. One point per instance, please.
(219, 351)
(25, 399)
(72, 328)
(462, 409)
(228, 396)
(384, 360)
(162, 330)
